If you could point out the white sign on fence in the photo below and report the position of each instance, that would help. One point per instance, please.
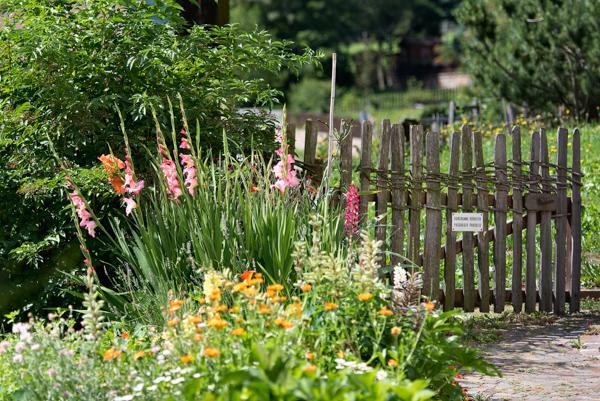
(470, 222)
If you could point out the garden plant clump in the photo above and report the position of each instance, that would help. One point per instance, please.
(252, 310)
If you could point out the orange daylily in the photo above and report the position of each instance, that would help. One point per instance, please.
(365, 296)
(211, 352)
(111, 354)
(187, 358)
(330, 306)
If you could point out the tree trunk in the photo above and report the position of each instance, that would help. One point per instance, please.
(205, 12)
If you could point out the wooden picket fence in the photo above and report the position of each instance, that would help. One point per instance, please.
(514, 194)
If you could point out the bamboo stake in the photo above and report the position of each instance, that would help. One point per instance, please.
(330, 134)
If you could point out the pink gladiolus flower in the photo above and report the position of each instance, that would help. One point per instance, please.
(184, 144)
(130, 205)
(170, 172)
(284, 169)
(352, 201)
(83, 214)
(182, 132)
(189, 172)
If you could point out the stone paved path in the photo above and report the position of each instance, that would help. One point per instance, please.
(556, 362)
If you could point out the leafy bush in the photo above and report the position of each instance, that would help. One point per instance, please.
(532, 53)
(65, 65)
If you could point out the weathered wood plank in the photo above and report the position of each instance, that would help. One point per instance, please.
(290, 133)
(483, 261)
(398, 193)
(366, 134)
(383, 192)
(433, 218)
(500, 222)
(345, 155)
(310, 150)
(468, 265)
(517, 265)
(416, 165)
(545, 231)
(561, 220)
(452, 206)
(575, 302)
(531, 263)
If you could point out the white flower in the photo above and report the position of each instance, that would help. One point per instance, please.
(152, 387)
(127, 397)
(35, 347)
(381, 375)
(178, 380)
(139, 387)
(18, 358)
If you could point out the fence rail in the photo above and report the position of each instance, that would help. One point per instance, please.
(512, 195)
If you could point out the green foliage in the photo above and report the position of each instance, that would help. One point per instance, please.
(310, 95)
(536, 53)
(65, 65)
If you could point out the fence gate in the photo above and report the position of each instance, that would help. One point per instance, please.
(495, 201)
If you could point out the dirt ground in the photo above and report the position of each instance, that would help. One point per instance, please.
(553, 360)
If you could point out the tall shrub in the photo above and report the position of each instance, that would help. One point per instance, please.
(539, 53)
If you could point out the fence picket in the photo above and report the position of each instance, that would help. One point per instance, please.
(545, 231)
(433, 218)
(500, 223)
(366, 134)
(414, 227)
(310, 149)
(483, 260)
(345, 155)
(561, 220)
(467, 239)
(398, 193)
(290, 133)
(576, 224)
(517, 273)
(531, 264)
(382, 184)
(452, 206)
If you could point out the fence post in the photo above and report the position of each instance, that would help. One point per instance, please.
(450, 257)
(545, 231)
(517, 225)
(398, 193)
(414, 228)
(433, 218)
(576, 224)
(500, 223)
(467, 238)
(530, 280)
(366, 134)
(483, 255)
(382, 185)
(561, 219)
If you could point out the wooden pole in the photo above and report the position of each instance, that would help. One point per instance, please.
(330, 134)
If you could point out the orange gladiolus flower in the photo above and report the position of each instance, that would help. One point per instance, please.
(111, 164)
(117, 184)
(187, 358)
(211, 352)
(330, 306)
(365, 296)
(392, 363)
(309, 355)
